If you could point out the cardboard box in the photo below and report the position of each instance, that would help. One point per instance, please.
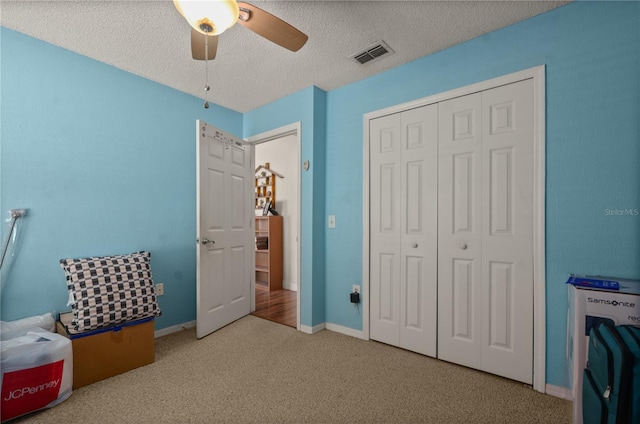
(103, 353)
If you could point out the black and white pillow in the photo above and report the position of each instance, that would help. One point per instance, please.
(110, 290)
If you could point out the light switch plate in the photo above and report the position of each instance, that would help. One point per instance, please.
(332, 221)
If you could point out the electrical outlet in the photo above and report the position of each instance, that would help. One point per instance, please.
(356, 288)
(159, 289)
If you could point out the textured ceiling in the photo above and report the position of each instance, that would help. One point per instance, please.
(150, 39)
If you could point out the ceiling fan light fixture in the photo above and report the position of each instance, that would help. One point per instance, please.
(211, 17)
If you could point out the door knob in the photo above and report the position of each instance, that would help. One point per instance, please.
(207, 241)
(463, 246)
(414, 245)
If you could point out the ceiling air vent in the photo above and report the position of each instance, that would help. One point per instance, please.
(372, 53)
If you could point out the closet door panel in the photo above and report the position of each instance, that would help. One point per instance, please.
(459, 230)
(507, 244)
(385, 210)
(418, 238)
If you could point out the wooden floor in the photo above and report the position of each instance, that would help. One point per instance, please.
(278, 306)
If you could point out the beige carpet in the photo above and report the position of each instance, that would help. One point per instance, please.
(257, 371)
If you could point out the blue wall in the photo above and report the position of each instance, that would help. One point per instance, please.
(105, 163)
(592, 57)
(67, 141)
(309, 108)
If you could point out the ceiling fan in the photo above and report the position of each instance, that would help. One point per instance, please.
(210, 18)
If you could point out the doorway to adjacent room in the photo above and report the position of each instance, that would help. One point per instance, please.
(278, 306)
(280, 149)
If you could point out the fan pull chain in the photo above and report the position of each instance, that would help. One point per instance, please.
(206, 69)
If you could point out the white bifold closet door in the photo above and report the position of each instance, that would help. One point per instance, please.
(403, 229)
(485, 231)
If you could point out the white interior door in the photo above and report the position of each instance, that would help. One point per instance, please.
(403, 153)
(224, 227)
(485, 248)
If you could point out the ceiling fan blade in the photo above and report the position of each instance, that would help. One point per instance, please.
(270, 27)
(198, 42)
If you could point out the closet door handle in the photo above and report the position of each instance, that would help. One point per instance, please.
(414, 245)
(463, 246)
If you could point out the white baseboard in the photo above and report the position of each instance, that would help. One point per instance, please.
(312, 330)
(174, 329)
(290, 286)
(560, 392)
(345, 330)
(333, 327)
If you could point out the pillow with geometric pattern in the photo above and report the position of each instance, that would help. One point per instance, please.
(110, 290)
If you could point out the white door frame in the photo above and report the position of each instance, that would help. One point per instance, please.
(537, 74)
(291, 129)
